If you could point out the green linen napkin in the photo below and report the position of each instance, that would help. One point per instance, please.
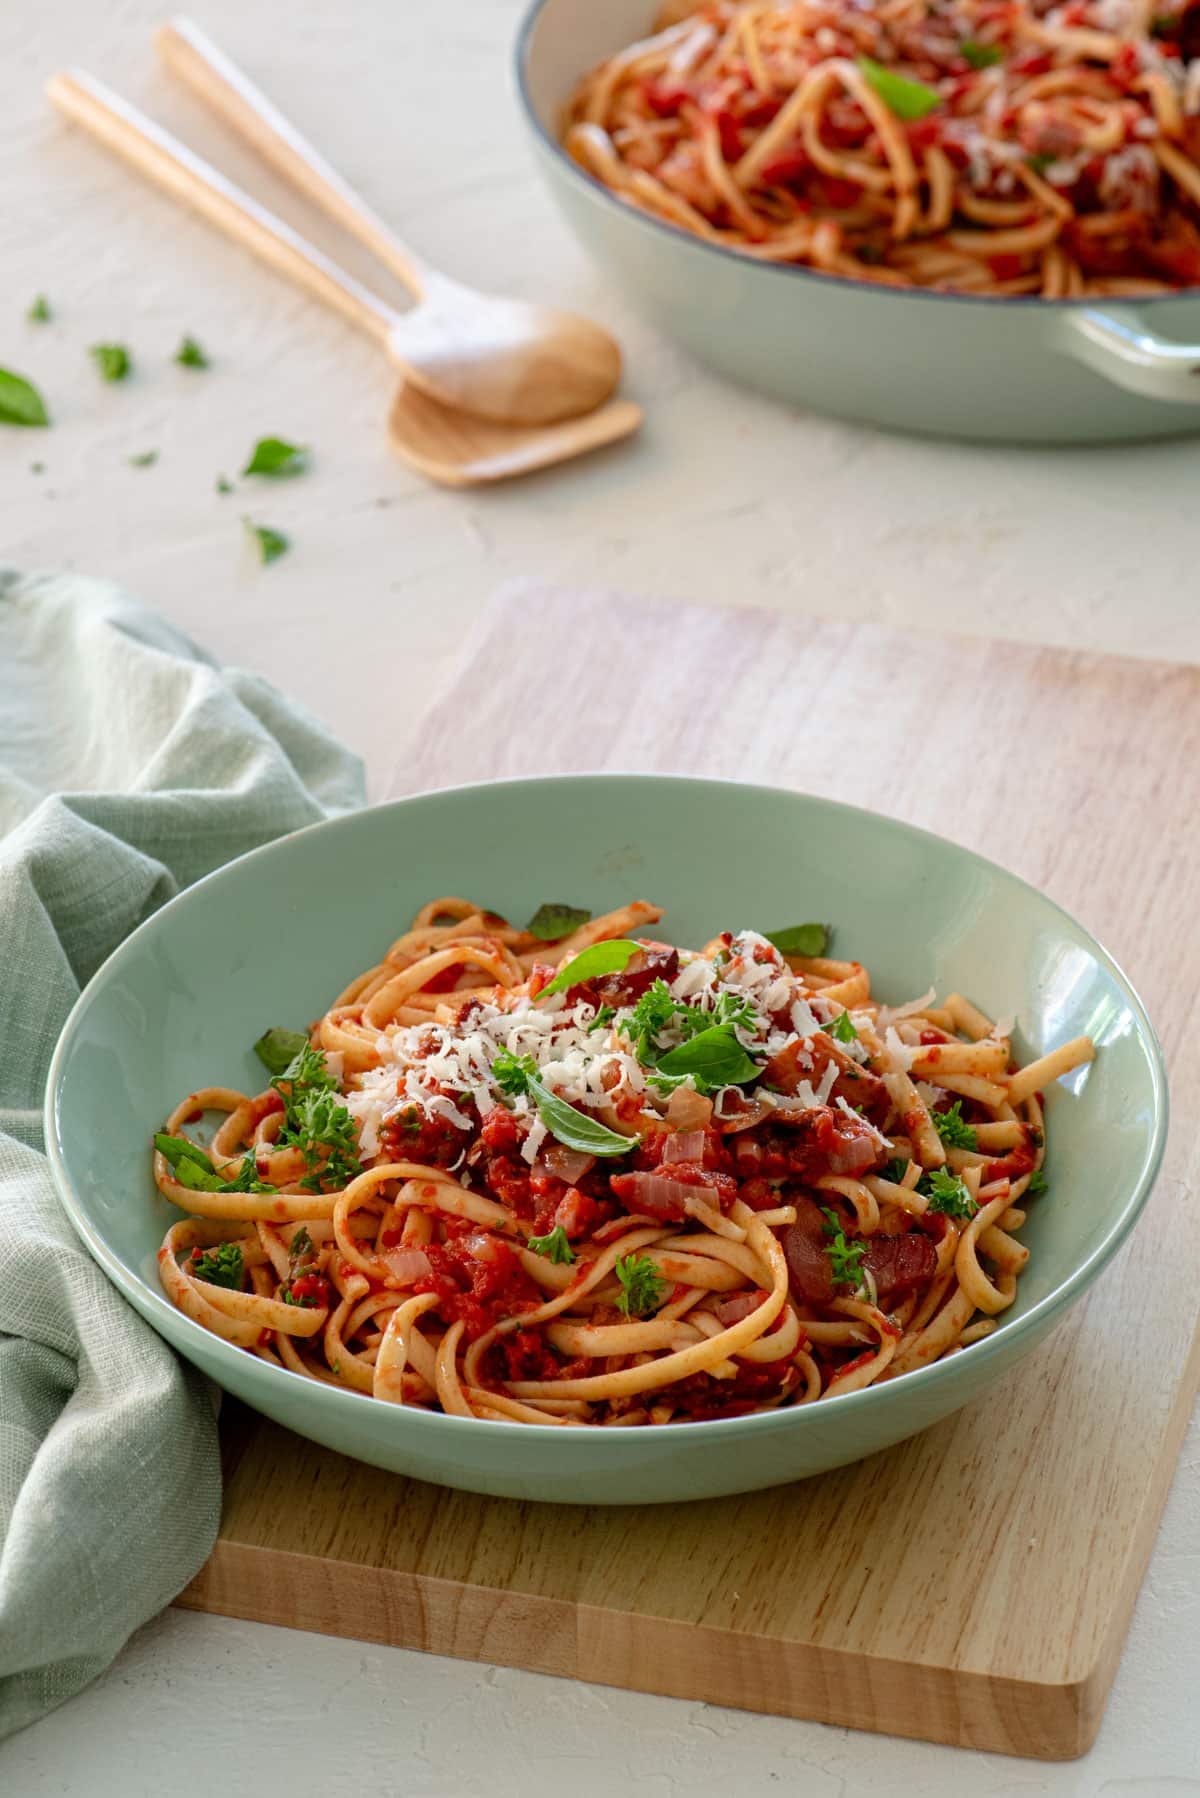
(129, 766)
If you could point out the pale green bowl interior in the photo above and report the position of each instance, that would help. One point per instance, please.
(270, 939)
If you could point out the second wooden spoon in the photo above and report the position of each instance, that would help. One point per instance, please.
(507, 360)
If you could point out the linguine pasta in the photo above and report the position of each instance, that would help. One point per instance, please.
(589, 1178)
(977, 146)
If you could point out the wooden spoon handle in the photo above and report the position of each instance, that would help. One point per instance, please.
(188, 177)
(235, 98)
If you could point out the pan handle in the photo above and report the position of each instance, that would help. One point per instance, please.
(1118, 344)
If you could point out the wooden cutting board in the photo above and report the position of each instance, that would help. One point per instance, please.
(973, 1585)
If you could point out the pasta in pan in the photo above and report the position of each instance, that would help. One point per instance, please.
(978, 146)
(573, 1175)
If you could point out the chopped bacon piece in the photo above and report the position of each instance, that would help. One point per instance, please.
(810, 1273)
(899, 1263)
(666, 1196)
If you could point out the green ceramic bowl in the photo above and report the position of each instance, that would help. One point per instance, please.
(1024, 370)
(270, 938)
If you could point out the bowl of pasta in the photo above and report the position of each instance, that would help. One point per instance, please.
(975, 218)
(504, 1137)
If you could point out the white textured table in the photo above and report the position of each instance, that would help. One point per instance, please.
(726, 499)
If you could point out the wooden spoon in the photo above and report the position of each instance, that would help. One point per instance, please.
(449, 446)
(504, 359)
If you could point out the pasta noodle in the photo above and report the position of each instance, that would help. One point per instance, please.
(979, 146)
(589, 1178)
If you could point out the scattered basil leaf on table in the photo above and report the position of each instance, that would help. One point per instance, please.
(190, 355)
(20, 401)
(39, 313)
(907, 99)
(277, 1048)
(602, 958)
(552, 921)
(274, 456)
(801, 939)
(112, 359)
(271, 544)
(147, 459)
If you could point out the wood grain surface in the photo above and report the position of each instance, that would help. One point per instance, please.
(972, 1585)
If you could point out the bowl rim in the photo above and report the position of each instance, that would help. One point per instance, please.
(153, 1304)
(790, 271)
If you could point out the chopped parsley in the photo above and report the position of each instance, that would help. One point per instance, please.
(642, 1286)
(954, 1129)
(221, 1266)
(271, 544)
(841, 1028)
(190, 355)
(147, 459)
(551, 921)
(554, 1246)
(112, 359)
(845, 1257)
(274, 456)
(20, 401)
(224, 486)
(512, 1073)
(1038, 161)
(896, 1169)
(602, 1019)
(947, 1193)
(1037, 1181)
(39, 313)
(316, 1122)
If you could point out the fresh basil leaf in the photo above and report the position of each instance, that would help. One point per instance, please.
(175, 1149)
(190, 355)
(274, 456)
(802, 939)
(39, 313)
(907, 99)
(271, 544)
(277, 1048)
(20, 401)
(980, 56)
(575, 1128)
(112, 359)
(190, 1165)
(602, 958)
(552, 921)
(714, 1056)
